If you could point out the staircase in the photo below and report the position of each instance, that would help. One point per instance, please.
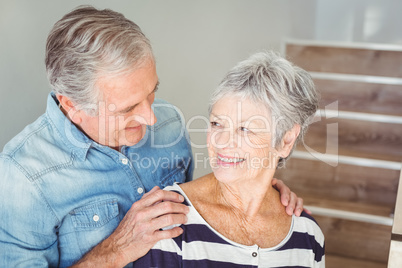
(347, 170)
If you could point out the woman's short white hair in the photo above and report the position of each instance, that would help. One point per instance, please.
(287, 91)
(86, 43)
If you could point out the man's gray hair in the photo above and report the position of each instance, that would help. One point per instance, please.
(87, 43)
(287, 91)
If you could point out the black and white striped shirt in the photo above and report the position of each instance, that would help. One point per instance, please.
(202, 246)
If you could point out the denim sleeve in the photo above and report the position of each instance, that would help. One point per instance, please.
(190, 168)
(190, 171)
(28, 227)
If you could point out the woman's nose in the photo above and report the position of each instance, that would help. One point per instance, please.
(227, 139)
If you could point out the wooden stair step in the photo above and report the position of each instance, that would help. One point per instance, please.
(347, 60)
(357, 188)
(358, 138)
(361, 97)
(355, 239)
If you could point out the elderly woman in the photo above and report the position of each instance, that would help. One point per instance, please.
(257, 114)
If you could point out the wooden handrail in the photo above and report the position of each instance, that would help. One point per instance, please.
(358, 161)
(348, 215)
(357, 78)
(395, 252)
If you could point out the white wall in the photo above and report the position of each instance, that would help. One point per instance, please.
(195, 43)
(372, 21)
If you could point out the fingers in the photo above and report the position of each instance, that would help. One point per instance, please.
(285, 198)
(274, 182)
(299, 207)
(292, 204)
(307, 211)
(162, 210)
(140, 228)
(157, 195)
(150, 192)
(167, 234)
(159, 209)
(284, 191)
(168, 220)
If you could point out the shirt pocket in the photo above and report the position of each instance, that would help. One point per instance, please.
(94, 222)
(95, 215)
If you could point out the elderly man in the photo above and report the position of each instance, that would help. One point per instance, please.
(81, 185)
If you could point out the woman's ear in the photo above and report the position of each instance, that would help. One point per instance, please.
(288, 141)
(69, 108)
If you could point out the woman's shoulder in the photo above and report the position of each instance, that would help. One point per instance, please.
(198, 187)
(306, 224)
(307, 220)
(197, 195)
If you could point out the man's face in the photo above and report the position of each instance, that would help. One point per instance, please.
(124, 107)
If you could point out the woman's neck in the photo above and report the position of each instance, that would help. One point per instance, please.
(250, 199)
(249, 214)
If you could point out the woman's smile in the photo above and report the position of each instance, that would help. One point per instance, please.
(228, 160)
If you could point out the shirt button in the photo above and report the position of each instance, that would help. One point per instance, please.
(140, 190)
(254, 254)
(95, 217)
(124, 161)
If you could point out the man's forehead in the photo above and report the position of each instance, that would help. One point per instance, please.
(126, 86)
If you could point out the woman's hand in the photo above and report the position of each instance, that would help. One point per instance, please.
(289, 199)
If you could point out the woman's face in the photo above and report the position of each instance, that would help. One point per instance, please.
(239, 140)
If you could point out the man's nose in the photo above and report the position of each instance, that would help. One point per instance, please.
(145, 114)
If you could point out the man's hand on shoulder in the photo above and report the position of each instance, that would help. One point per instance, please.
(139, 230)
(289, 199)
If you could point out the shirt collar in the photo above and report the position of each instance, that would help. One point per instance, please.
(68, 133)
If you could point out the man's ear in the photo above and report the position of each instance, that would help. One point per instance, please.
(70, 109)
(288, 141)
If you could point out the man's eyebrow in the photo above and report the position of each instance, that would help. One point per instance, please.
(127, 109)
(130, 108)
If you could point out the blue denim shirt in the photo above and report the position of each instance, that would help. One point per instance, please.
(62, 193)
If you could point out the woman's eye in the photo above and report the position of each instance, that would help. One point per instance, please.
(215, 124)
(244, 129)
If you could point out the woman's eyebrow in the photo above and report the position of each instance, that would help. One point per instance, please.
(216, 116)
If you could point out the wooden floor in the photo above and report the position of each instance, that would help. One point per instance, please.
(334, 261)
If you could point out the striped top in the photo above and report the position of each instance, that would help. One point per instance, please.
(202, 246)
